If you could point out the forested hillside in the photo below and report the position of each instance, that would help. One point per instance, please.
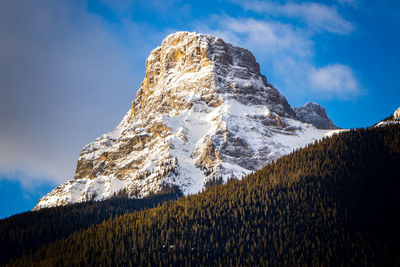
(332, 203)
(28, 231)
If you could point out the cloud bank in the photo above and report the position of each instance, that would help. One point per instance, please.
(65, 78)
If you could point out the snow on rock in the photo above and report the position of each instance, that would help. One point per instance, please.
(396, 114)
(391, 120)
(314, 114)
(203, 111)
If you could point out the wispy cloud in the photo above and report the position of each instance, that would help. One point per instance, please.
(335, 80)
(347, 2)
(28, 182)
(272, 37)
(286, 52)
(317, 16)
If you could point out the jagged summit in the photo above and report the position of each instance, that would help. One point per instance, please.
(203, 111)
(206, 65)
(314, 114)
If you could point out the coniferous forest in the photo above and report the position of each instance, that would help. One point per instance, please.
(28, 231)
(332, 203)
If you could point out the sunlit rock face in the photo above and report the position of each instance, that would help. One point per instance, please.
(203, 111)
(396, 114)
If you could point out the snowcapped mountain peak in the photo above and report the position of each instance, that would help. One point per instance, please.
(203, 111)
(191, 64)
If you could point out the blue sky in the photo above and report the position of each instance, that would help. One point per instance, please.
(70, 69)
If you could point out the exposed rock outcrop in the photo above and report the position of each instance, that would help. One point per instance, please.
(314, 114)
(396, 114)
(203, 111)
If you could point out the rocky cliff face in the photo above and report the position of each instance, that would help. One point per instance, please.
(314, 114)
(203, 111)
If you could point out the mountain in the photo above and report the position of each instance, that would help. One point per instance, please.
(314, 114)
(333, 203)
(392, 119)
(203, 114)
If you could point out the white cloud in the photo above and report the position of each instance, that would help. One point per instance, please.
(334, 80)
(273, 38)
(30, 181)
(318, 16)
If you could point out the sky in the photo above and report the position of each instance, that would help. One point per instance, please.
(70, 69)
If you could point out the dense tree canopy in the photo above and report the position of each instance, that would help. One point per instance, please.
(332, 203)
(28, 231)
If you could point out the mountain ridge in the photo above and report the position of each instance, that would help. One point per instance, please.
(203, 111)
